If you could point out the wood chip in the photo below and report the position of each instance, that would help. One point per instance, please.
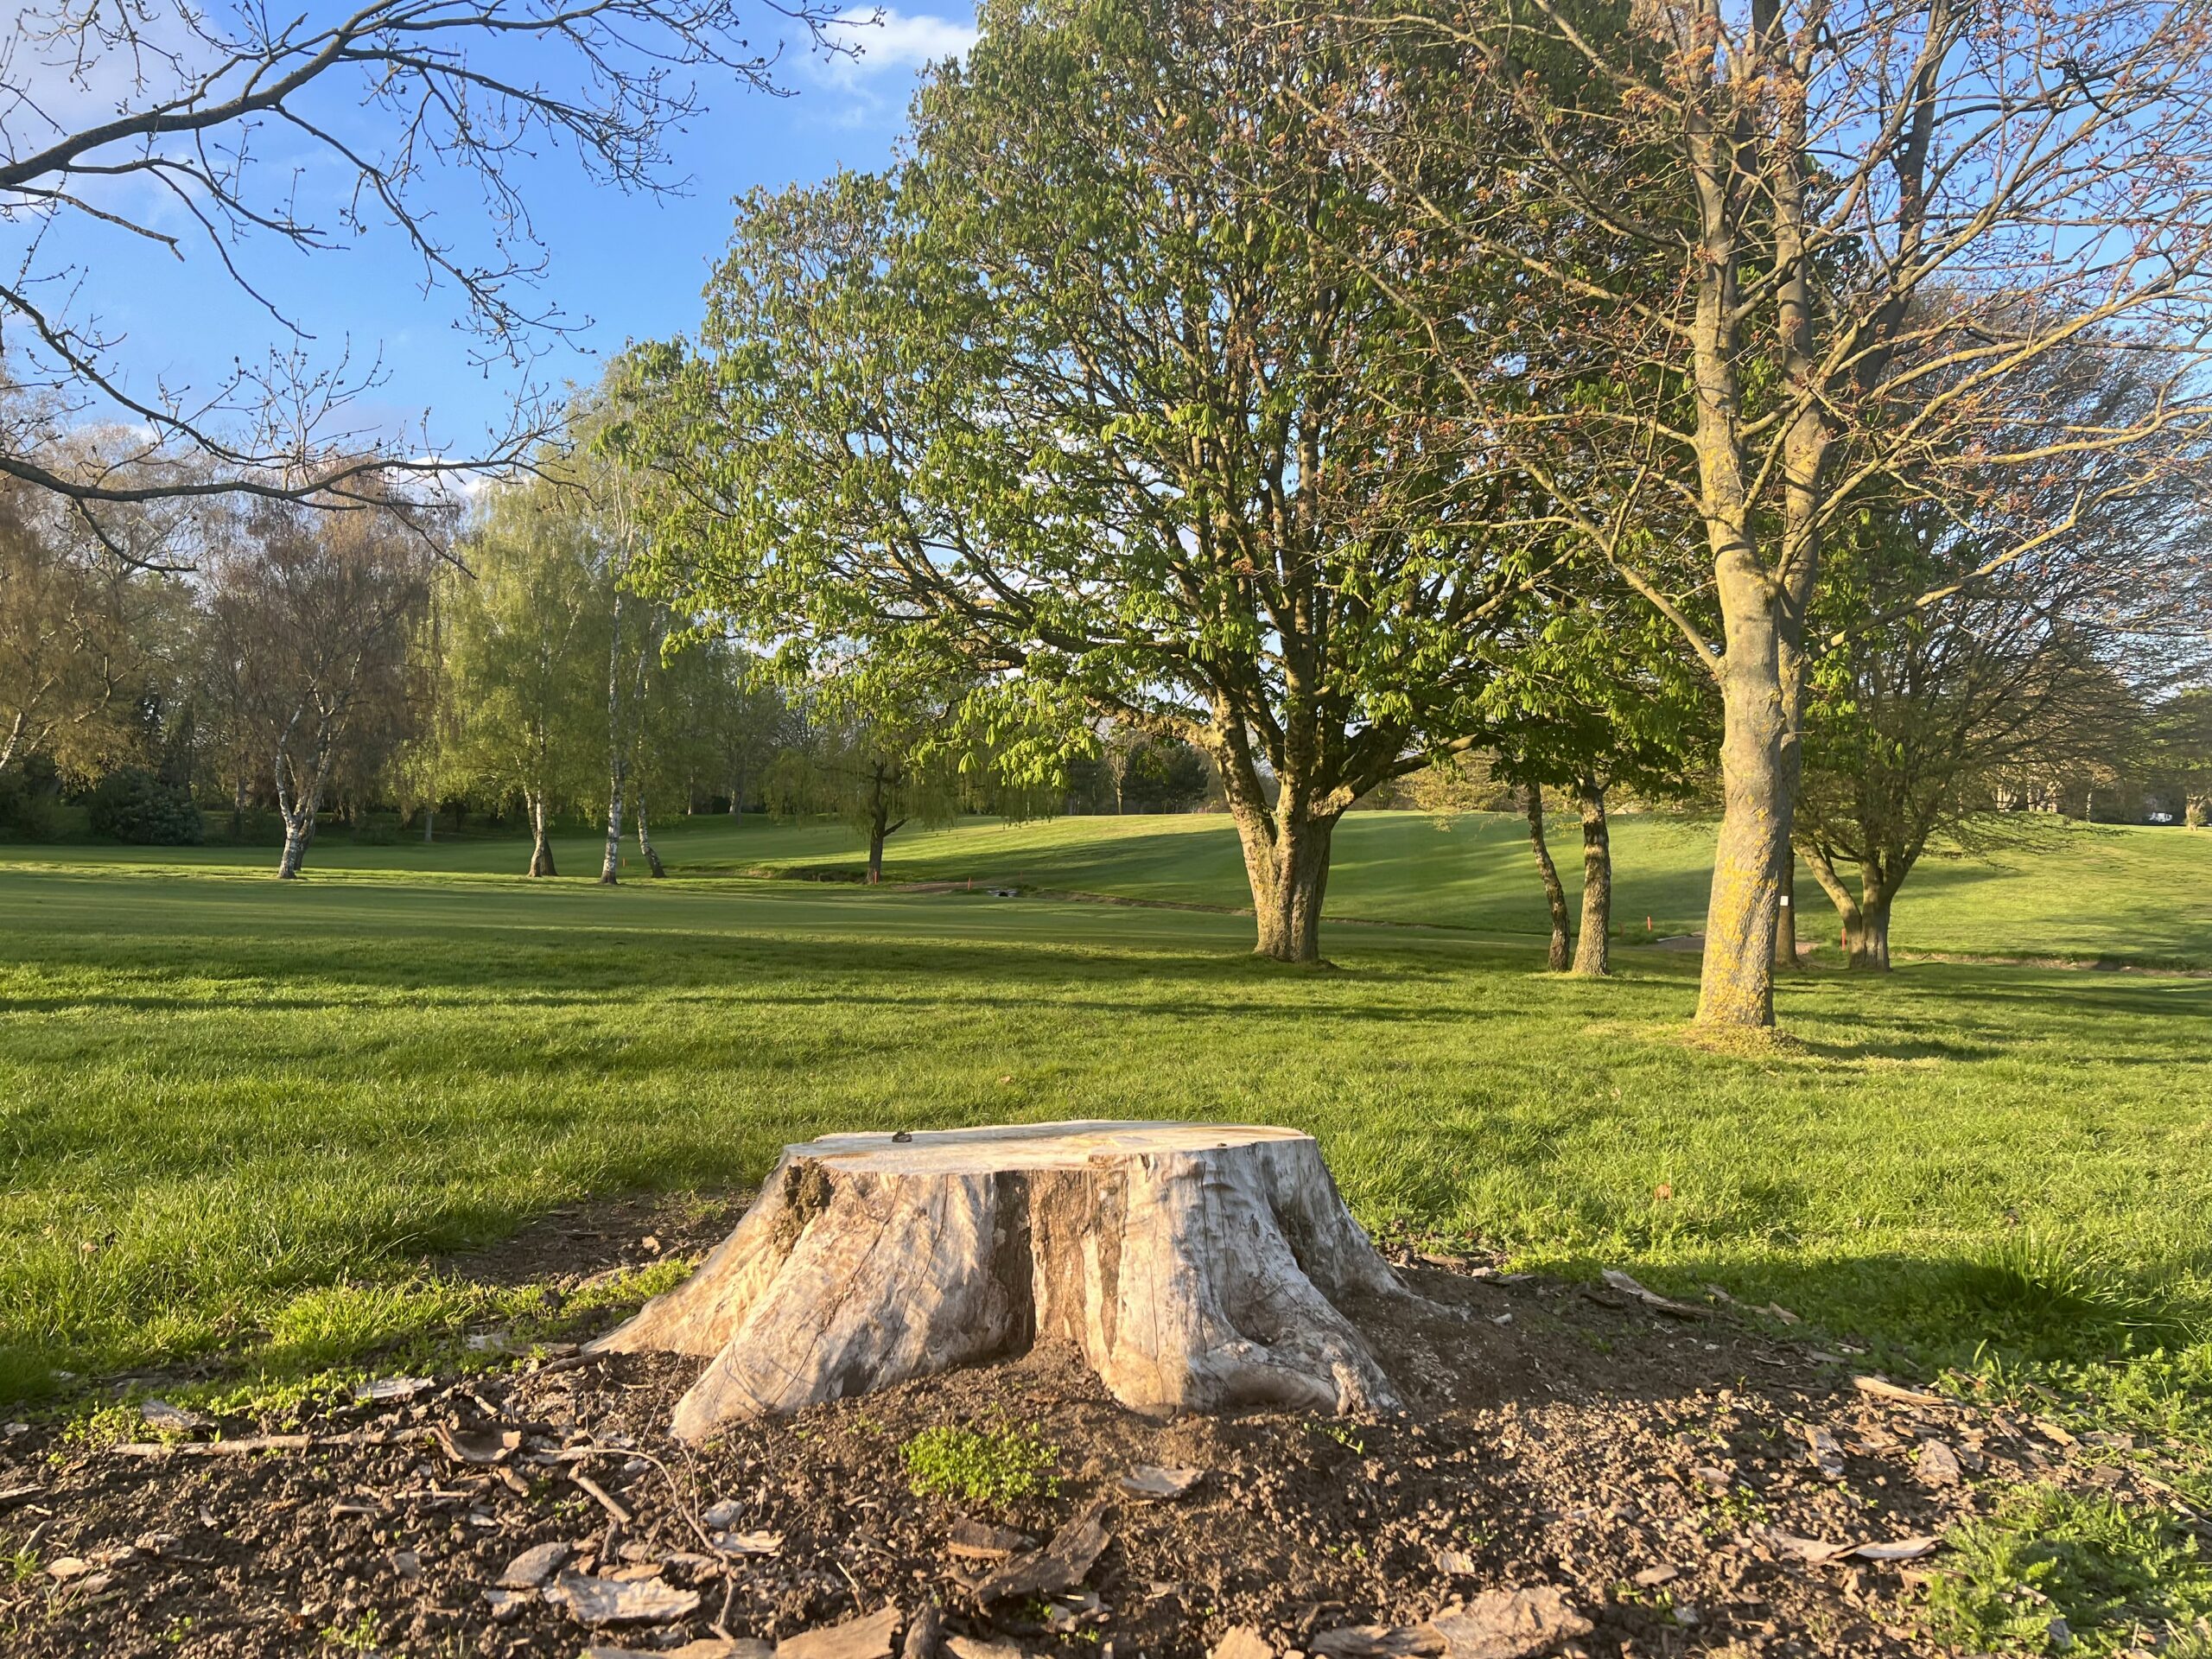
(1652, 1298)
(978, 1540)
(599, 1495)
(1376, 1642)
(976, 1647)
(1826, 1454)
(1813, 1550)
(2052, 1431)
(1149, 1480)
(1510, 1624)
(923, 1632)
(1059, 1566)
(621, 1601)
(1652, 1577)
(1819, 1553)
(1898, 1549)
(383, 1388)
(1937, 1465)
(1456, 1563)
(479, 1446)
(508, 1604)
(1243, 1642)
(748, 1543)
(1882, 1388)
(533, 1566)
(868, 1637)
(160, 1414)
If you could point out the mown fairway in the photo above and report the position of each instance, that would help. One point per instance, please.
(2047, 889)
(237, 1116)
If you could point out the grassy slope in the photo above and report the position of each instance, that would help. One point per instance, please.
(219, 1096)
(2052, 890)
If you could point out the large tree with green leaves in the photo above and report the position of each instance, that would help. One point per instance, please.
(1114, 389)
(523, 631)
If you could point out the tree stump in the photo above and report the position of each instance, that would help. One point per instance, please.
(1194, 1266)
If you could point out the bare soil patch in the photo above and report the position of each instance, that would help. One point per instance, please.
(1669, 1473)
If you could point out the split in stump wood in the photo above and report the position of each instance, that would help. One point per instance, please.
(1194, 1266)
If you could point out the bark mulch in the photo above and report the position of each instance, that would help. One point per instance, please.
(1680, 1479)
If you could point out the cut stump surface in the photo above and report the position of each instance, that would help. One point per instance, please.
(1194, 1266)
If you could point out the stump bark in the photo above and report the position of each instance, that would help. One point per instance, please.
(1195, 1267)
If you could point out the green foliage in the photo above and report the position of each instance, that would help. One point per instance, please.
(30, 802)
(2122, 1579)
(1055, 399)
(1169, 777)
(522, 638)
(999, 1467)
(133, 805)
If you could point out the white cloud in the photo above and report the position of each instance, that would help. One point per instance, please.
(882, 39)
(888, 38)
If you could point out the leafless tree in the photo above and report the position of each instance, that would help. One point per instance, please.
(316, 609)
(1926, 687)
(1799, 252)
(125, 118)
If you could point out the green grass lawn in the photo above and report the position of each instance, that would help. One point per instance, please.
(2049, 888)
(236, 1115)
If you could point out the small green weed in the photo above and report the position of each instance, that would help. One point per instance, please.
(1343, 1436)
(998, 1468)
(2120, 1579)
(360, 1637)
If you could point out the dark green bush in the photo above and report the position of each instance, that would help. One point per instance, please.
(132, 804)
(30, 805)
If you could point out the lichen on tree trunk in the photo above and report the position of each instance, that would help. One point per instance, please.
(1194, 1267)
(1593, 943)
(1287, 864)
(1737, 986)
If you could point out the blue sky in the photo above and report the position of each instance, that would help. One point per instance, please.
(634, 266)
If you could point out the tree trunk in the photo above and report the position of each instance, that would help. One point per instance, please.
(299, 830)
(1287, 862)
(1593, 944)
(429, 825)
(645, 845)
(1866, 916)
(1869, 940)
(610, 871)
(238, 807)
(541, 844)
(876, 831)
(610, 862)
(1736, 988)
(1554, 894)
(1194, 1267)
(298, 806)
